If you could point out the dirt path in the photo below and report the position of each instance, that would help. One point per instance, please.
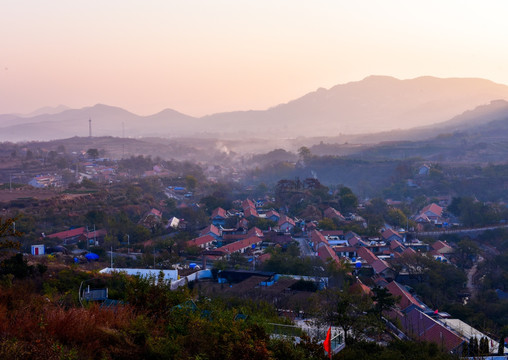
(470, 277)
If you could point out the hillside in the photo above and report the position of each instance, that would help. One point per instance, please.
(374, 104)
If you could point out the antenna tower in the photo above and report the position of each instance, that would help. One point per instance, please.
(89, 127)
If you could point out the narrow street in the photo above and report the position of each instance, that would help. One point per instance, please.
(305, 249)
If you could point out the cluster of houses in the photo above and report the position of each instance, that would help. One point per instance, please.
(73, 236)
(374, 257)
(46, 181)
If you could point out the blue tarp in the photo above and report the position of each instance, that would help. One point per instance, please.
(92, 256)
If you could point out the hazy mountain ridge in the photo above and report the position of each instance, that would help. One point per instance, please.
(374, 104)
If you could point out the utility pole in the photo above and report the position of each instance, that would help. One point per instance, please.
(112, 257)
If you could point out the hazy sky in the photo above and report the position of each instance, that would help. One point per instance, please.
(201, 57)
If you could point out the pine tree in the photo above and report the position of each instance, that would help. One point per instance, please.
(474, 348)
(484, 346)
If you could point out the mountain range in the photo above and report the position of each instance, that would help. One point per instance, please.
(372, 105)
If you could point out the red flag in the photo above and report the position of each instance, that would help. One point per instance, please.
(327, 344)
(436, 312)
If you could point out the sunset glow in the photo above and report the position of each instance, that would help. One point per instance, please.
(202, 57)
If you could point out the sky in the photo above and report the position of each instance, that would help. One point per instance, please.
(205, 56)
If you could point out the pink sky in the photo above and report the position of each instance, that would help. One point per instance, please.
(201, 57)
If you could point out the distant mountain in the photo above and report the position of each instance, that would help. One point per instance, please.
(377, 103)
(106, 120)
(46, 110)
(374, 104)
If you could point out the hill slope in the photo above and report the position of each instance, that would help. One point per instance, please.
(374, 104)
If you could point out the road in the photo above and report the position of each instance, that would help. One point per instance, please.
(305, 249)
(458, 231)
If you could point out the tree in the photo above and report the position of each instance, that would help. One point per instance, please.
(484, 346)
(327, 224)
(190, 182)
(348, 203)
(383, 300)
(7, 232)
(93, 153)
(349, 311)
(304, 152)
(500, 349)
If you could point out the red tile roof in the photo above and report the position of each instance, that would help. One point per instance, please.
(325, 253)
(433, 208)
(68, 234)
(355, 240)
(202, 240)
(248, 212)
(248, 203)
(316, 238)
(379, 266)
(442, 247)
(219, 213)
(331, 213)
(360, 287)
(286, 219)
(210, 229)
(255, 232)
(272, 213)
(155, 212)
(367, 255)
(264, 257)
(240, 245)
(422, 327)
(390, 232)
(406, 299)
(395, 244)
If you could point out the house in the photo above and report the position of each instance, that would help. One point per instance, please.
(152, 218)
(397, 247)
(45, 181)
(405, 298)
(211, 230)
(273, 216)
(219, 216)
(331, 213)
(360, 288)
(441, 248)
(326, 253)
(345, 251)
(37, 250)
(68, 237)
(203, 242)
(421, 327)
(94, 237)
(250, 213)
(379, 266)
(286, 224)
(241, 246)
(173, 223)
(424, 170)
(433, 212)
(317, 238)
(390, 234)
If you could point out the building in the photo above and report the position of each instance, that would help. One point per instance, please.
(37, 250)
(219, 216)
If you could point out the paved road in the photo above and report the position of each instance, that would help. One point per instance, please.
(305, 249)
(457, 231)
